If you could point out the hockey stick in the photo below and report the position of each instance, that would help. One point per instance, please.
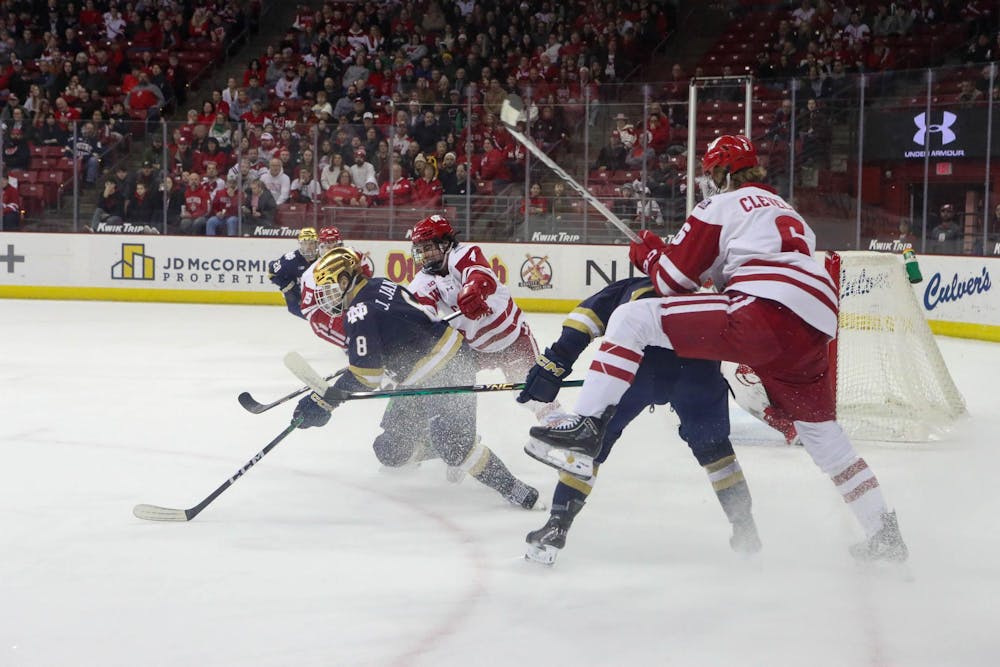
(512, 111)
(157, 513)
(252, 405)
(302, 370)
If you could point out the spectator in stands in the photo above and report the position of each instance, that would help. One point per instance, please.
(814, 130)
(87, 151)
(305, 189)
(947, 229)
(804, 14)
(427, 190)
(463, 184)
(259, 207)
(362, 170)
(968, 94)
(145, 100)
(11, 220)
(330, 175)
(856, 30)
(491, 165)
(225, 210)
(816, 85)
(16, 152)
(287, 87)
(276, 181)
(612, 156)
(536, 207)
(397, 191)
(123, 181)
(344, 192)
(197, 206)
(110, 207)
(140, 209)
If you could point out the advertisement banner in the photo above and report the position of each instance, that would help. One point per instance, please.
(947, 132)
(957, 293)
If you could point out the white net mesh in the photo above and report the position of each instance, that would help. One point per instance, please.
(892, 383)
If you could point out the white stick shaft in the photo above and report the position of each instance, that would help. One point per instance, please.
(526, 141)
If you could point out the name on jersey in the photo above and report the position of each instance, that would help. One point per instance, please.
(762, 201)
(386, 293)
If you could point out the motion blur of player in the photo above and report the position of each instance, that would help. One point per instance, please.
(286, 271)
(392, 337)
(695, 389)
(776, 311)
(457, 277)
(328, 327)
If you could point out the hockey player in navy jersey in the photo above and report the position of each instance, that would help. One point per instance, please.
(286, 271)
(392, 337)
(694, 387)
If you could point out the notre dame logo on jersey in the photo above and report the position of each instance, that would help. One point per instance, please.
(357, 312)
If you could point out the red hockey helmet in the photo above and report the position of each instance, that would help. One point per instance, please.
(432, 228)
(329, 238)
(732, 152)
(432, 238)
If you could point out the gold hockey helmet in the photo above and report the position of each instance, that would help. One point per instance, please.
(309, 243)
(336, 273)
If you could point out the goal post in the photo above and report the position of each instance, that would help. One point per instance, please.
(891, 380)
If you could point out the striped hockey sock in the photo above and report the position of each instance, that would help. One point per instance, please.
(862, 493)
(609, 377)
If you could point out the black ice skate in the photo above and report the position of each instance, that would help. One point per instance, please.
(571, 445)
(745, 539)
(885, 545)
(523, 495)
(544, 544)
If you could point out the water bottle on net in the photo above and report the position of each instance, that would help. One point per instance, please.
(912, 267)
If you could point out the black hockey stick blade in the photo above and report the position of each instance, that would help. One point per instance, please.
(157, 513)
(250, 404)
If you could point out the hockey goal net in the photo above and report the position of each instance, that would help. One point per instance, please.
(892, 383)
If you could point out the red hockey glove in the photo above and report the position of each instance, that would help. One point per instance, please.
(645, 252)
(472, 298)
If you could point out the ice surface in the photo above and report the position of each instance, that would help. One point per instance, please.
(319, 557)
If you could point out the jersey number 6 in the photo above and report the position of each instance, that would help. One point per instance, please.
(793, 234)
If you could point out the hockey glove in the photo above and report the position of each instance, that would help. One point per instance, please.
(645, 253)
(545, 378)
(472, 298)
(314, 409)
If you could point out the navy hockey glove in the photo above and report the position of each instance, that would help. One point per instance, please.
(545, 378)
(314, 409)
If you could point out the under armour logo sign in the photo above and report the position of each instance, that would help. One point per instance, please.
(947, 134)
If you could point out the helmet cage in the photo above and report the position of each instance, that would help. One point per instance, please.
(309, 243)
(431, 255)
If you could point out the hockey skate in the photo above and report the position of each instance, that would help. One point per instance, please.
(745, 539)
(545, 543)
(571, 445)
(885, 545)
(522, 495)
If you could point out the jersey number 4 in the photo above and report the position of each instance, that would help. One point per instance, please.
(793, 234)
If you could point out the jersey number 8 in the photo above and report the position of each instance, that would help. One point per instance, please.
(361, 345)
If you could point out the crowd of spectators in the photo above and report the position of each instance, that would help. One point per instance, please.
(403, 97)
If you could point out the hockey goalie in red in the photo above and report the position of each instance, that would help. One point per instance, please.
(776, 311)
(457, 277)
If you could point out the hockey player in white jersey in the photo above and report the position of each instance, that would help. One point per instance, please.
(456, 277)
(328, 327)
(776, 311)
